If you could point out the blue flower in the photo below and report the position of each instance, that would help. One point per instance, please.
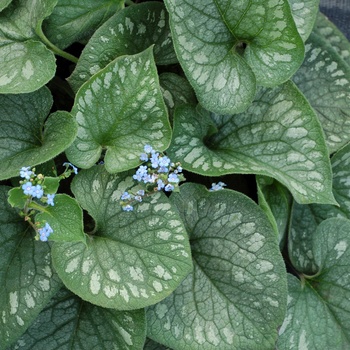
(25, 172)
(148, 148)
(154, 160)
(164, 161)
(179, 169)
(163, 169)
(50, 198)
(144, 157)
(173, 178)
(128, 207)
(141, 173)
(138, 198)
(169, 188)
(216, 187)
(125, 196)
(141, 192)
(160, 184)
(27, 188)
(75, 169)
(45, 232)
(37, 191)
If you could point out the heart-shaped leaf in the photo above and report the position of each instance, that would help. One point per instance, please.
(27, 279)
(26, 137)
(68, 322)
(278, 136)
(324, 78)
(236, 295)
(127, 33)
(305, 218)
(26, 64)
(225, 48)
(304, 13)
(133, 259)
(325, 28)
(323, 296)
(120, 109)
(65, 218)
(71, 22)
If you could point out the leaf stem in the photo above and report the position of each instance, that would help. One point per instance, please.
(53, 47)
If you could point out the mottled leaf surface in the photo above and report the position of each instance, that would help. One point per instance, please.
(120, 109)
(72, 20)
(305, 218)
(325, 28)
(276, 201)
(235, 297)
(324, 78)
(65, 218)
(210, 38)
(128, 32)
(27, 279)
(133, 259)
(176, 91)
(4, 4)
(26, 63)
(278, 136)
(152, 345)
(304, 13)
(68, 322)
(323, 297)
(27, 136)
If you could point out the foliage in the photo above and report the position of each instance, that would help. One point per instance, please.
(103, 245)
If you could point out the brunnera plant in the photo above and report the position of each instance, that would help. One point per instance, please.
(174, 175)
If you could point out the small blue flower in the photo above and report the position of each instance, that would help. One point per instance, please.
(216, 187)
(125, 196)
(163, 169)
(75, 169)
(141, 192)
(141, 172)
(160, 184)
(169, 188)
(128, 207)
(144, 157)
(25, 172)
(138, 198)
(45, 232)
(37, 191)
(50, 198)
(154, 160)
(164, 161)
(173, 178)
(148, 148)
(27, 188)
(179, 169)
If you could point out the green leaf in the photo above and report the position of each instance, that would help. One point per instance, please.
(72, 21)
(304, 13)
(67, 322)
(276, 201)
(26, 63)
(4, 4)
(27, 279)
(323, 297)
(27, 138)
(120, 109)
(132, 259)
(325, 28)
(210, 36)
(176, 91)
(17, 198)
(65, 218)
(306, 218)
(51, 184)
(279, 136)
(324, 78)
(127, 33)
(236, 295)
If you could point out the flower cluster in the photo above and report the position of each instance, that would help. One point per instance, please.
(32, 186)
(217, 186)
(45, 232)
(156, 174)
